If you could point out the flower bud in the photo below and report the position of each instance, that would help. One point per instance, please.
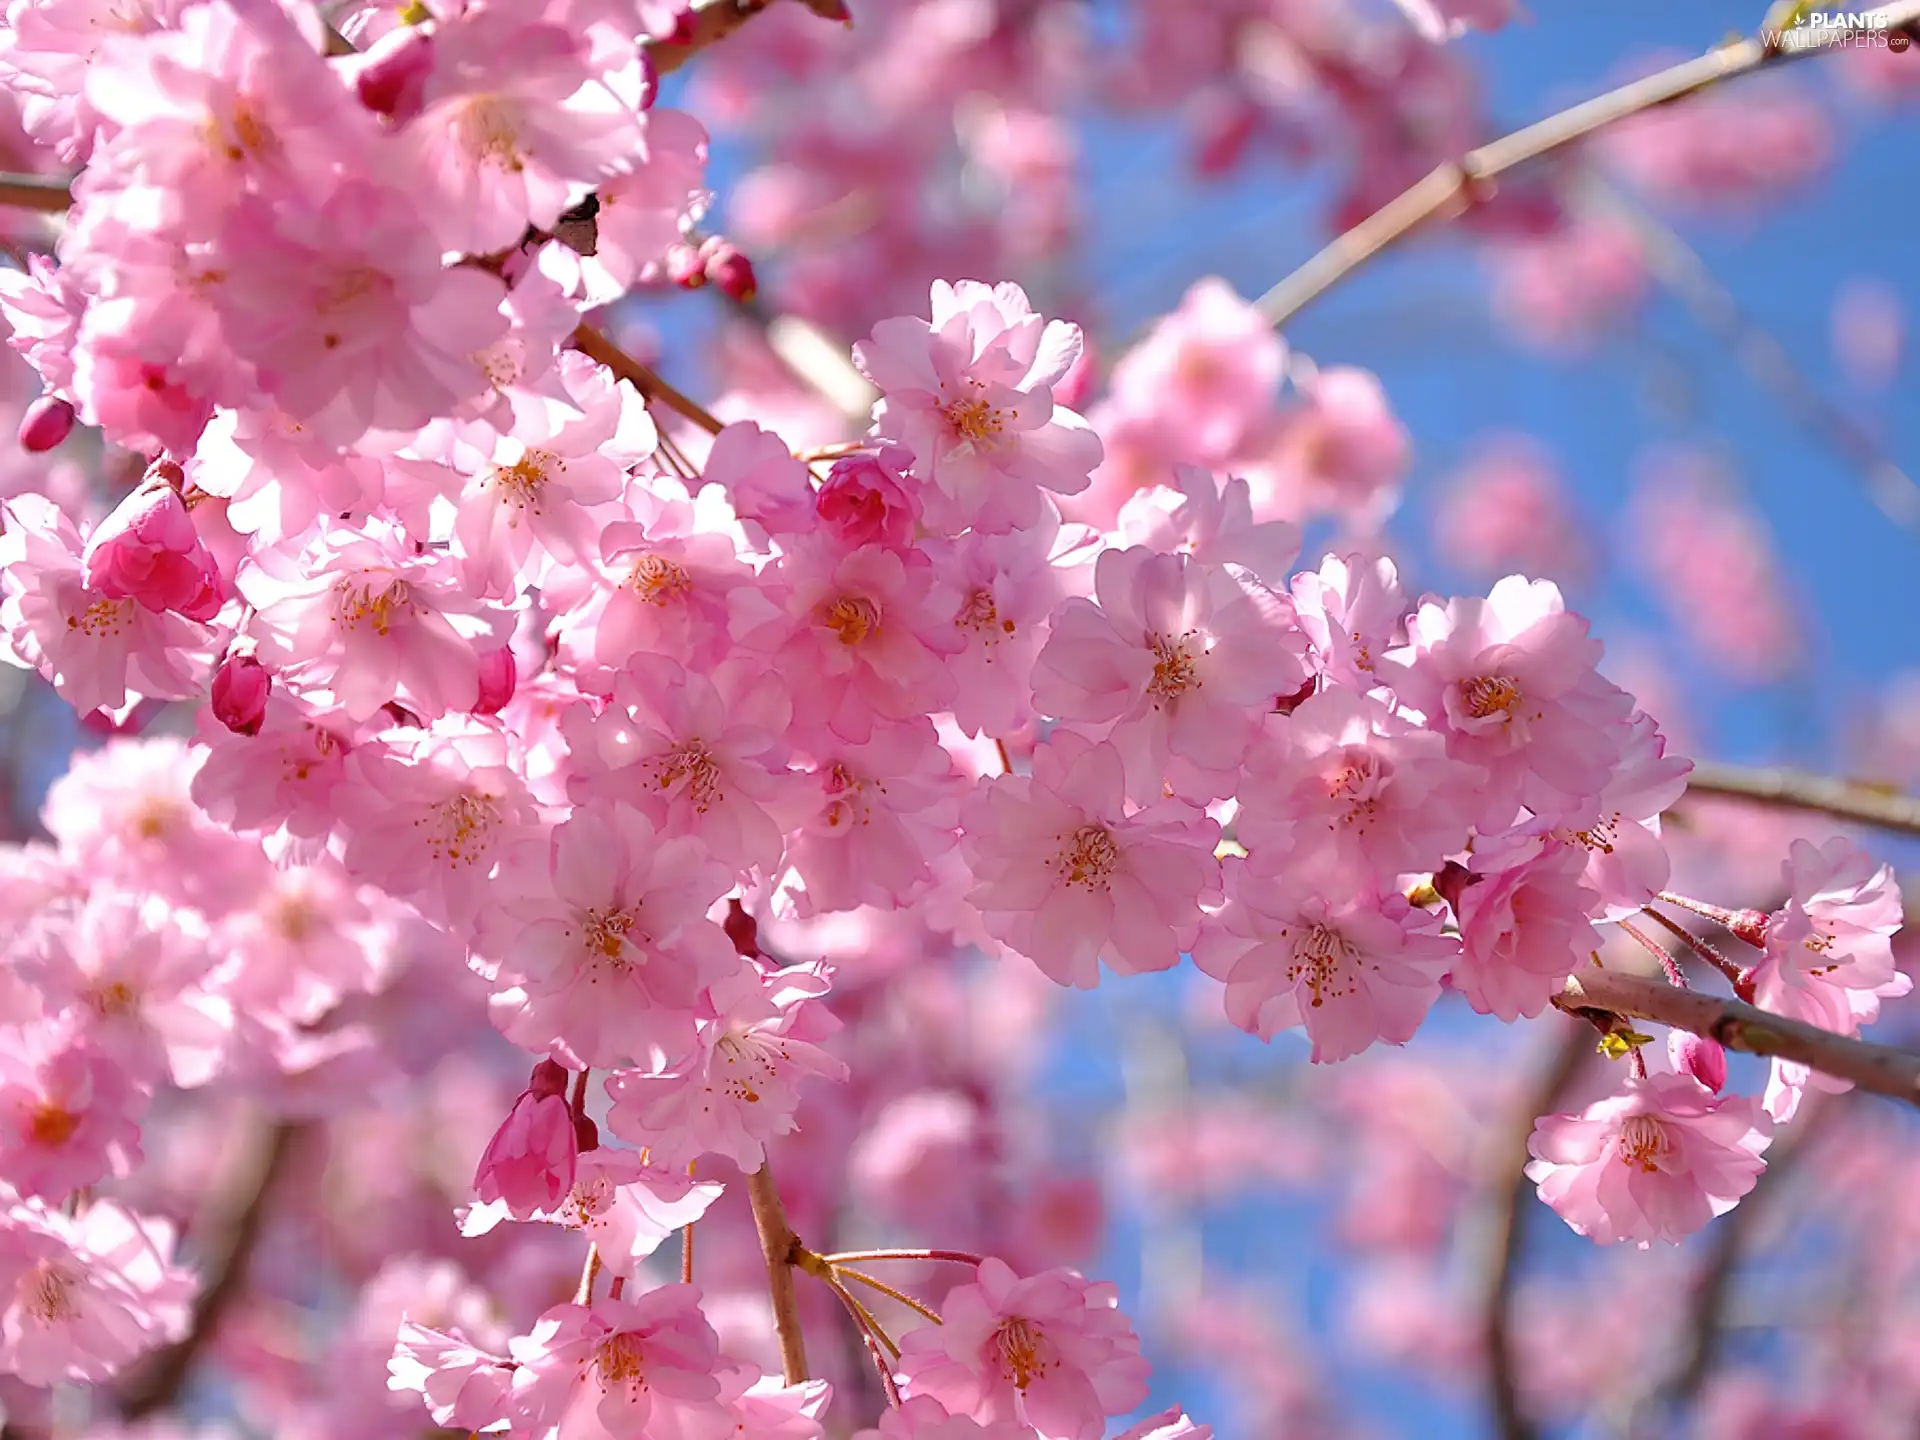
(499, 673)
(742, 929)
(727, 268)
(684, 266)
(147, 550)
(868, 499)
(1699, 1057)
(529, 1164)
(1750, 926)
(240, 689)
(1452, 881)
(48, 421)
(586, 1134)
(392, 75)
(686, 27)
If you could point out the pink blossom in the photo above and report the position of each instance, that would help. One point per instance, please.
(69, 1113)
(1177, 661)
(1211, 520)
(463, 1387)
(80, 1298)
(1351, 609)
(1051, 1351)
(869, 499)
(1708, 154)
(499, 675)
(1829, 957)
(45, 424)
(763, 480)
(43, 306)
(1705, 1060)
(741, 1087)
(1628, 863)
(1362, 967)
(1212, 368)
(238, 701)
(767, 1409)
(1510, 681)
(645, 207)
(1067, 876)
(304, 939)
(970, 394)
(1169, 1424)
(621, 1367)
(603, 941)
(1560, 291)
(864, 643)
(99, 652)
(1507, 510)
(147, 550)
(868, 820)
(514, 127)
(1524, 924)
(921, 1417)
(617, 1201)
(1342, 451)
(1655, 1162)
(281, 781)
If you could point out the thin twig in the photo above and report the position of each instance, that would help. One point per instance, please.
(1450, 188)
(589, 1276)
(925, 1312)
(226, 1244)
(36, 192)
(872, 1336)
(781, 1249)
(596, 346)
(711, 21)
(1794, 790)
(1699, 947)
(1669, 965)
(1881, 1069)
(1504, 1230)
(861, 1257)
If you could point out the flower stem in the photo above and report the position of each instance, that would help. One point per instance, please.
(780, 1246)
(1700, 948)
(858, 1257)
(1658, 951)
(893, 1294)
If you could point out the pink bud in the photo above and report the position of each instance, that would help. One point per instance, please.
(1699, 1057)
(685, 27)
(685, 267)
(393, 73)
(499, 672)
(742, 929)
(649, 79)
(549, 1077)
(868, 499)
(48, 421)
(147, 550)
(1075, 388)
(727, 268)
(1452, 881)
(530, 1161)
(240, 689)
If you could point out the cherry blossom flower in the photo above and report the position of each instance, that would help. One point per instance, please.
(1211, 520)
(69, 1113)
(1051, 1351)
(1655, 1162)
(463, 1387)
(1179, 659)
(1214, 362)
(742, 1086)
(621, 1367)
(1525, 924)
(921, 1417)
(971, 395)
(529, 1164)
(602, 941)
(147, 550)
(869, 499)
(1351, 609)
(1067, 876)
(1296, 946)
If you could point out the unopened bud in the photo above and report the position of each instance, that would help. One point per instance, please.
(1451, 882)
(392, 75)
(586, 1134)
(499, 673)
(685, 27)
(240, 689)
(48, 421)
(742, 929)
(684, 266)
(1699, 1057)
(549, 1077)
(727, 268)
(1750, 926)
(168, 473)
(649, 80)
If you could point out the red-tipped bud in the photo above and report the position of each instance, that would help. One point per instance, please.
(48, 421)
(392, 75)
(742, 929)
(499, 673)
(684, 266)
(727, 268)
(240, 689)
(1452, 882)
(685, 27)
(549, 1077)
(586, 1134)
(1699, 1057)
(1750, 926)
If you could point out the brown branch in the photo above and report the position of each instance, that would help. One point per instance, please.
(596, 346)
(782, 1250)
(1793, 790)
(712, 22)
(1881, 1069)
(227, 1243)
(35, 192)
(1504, 1221)
(1450, 188)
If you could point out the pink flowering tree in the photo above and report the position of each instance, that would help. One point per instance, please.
(538, 906)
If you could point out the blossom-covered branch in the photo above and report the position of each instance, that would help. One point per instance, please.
(1451, 188)
(1881, 1069)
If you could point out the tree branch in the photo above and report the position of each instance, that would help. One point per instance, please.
(227, 1242)
(36, 192)
(596, 346)
(1503, 1233)
(713, 21)
(1794, 790)
(1452, 187)
(1881, 1069)
(782, 1249)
